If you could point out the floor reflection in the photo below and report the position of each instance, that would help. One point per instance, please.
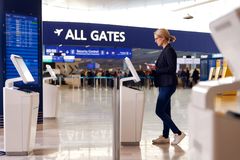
(168, 154)
(83, 129)
(131, 153)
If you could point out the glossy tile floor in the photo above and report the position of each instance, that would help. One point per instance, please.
(83, 129)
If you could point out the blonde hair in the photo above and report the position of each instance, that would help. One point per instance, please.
(165, 33)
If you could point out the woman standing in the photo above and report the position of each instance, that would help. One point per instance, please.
(164, 72)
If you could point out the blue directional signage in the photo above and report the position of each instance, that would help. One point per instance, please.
(90, 52)
(22, 40)
(69, 33)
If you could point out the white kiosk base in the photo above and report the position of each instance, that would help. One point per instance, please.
(213, 135)
(50, 100)
(131, 115)
(20, 121)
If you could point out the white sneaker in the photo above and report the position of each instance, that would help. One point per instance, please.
(178, 138)
(161, 140)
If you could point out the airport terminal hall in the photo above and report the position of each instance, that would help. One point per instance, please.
(119, 79)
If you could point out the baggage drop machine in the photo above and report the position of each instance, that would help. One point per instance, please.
(213, 135)
(50, 95)
(20, 112)
(131, 109)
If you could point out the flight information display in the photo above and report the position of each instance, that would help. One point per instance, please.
(22, 39)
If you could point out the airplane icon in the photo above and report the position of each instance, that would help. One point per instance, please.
(58, 31)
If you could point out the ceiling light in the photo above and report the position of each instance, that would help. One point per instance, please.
(188, 16)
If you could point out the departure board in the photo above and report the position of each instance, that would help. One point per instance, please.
(22, 40)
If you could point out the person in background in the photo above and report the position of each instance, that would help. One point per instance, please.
(183, 76)
(187, 77)
(165, 71)
(195, 76)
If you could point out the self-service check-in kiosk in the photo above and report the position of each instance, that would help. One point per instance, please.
(20, 112)
(50, 95)
(131, 109)
(213, 135)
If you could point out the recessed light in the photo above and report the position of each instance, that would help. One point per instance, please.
(188, 16)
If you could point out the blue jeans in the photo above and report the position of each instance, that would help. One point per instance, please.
(163, 110)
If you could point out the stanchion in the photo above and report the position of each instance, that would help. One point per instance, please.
(84, 83)
(106, 78)
(72, 82)
(95, 81)
(148, 83)
(116, 122)
(80, 81)
(100, 79)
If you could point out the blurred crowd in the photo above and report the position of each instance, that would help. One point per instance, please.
(186, 78)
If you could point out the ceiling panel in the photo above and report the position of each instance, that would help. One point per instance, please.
(108, 4)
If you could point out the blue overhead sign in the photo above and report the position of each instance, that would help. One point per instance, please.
(82, 34)
(90, 52)
(67, 33)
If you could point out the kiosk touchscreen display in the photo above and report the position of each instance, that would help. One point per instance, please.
(132, 69)
(225, 32)
(22, 69)
(51, 72)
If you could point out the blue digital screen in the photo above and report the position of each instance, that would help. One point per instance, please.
(22, 40)
(90, 52)
(65, 59)
(91, 66)
(58, 59)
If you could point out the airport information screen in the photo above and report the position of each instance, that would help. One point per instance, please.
(90, 52)
(22, 39)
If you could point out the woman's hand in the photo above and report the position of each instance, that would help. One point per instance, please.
(151, 66)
